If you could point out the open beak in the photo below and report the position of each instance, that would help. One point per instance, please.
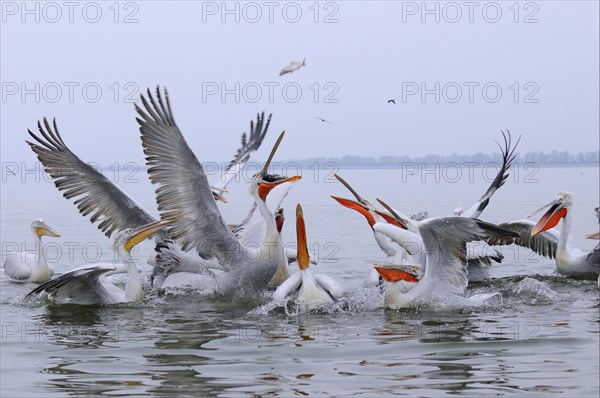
(401, 222)
(595, 235)
(351, 204)
(389, 219)
(395, 274)
(279, 219)
(45, 230)
(146, 231)
(550, 218)
(303, 258)
(265, 187)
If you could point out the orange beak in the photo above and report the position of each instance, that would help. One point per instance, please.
(389, 219)
(303, 257)
(395, 274)
(358, 207)
(550, 218)
(265, 187)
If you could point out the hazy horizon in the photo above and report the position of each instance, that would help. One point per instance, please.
(221, 67)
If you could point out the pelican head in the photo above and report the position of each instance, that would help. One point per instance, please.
(128, 238)
(40, 228)
(558, 208)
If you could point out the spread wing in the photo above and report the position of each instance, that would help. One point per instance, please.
(96, 196)
(445, 241)
(544, 244)
(508, 156)
(184, 192)
(250, 144)
(81, 284)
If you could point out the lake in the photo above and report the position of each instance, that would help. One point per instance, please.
(540, 340)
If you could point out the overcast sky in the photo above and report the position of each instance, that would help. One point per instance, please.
(542, 56)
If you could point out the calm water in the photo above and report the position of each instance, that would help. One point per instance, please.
(541, 339)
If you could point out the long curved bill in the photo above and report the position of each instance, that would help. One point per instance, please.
(44, 230)
(303, 256)
(550, 218)
(389, 219)
(146, 231)
(351, 204)
(595, 235)
(395, 274)
(359, 198)
(265, 169)
(399, 220)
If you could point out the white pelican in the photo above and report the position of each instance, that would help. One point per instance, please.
(31, 266)
(184, 193)
(549, 242)
(88, 284)
(404, 232)
(171, 259)
(312, 290)
(445, 277)
(292, 67)
(97, 196)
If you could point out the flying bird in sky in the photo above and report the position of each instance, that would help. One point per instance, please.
(292, 67)
(323, 120)
(393, 101)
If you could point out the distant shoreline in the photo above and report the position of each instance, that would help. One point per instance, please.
(328, 165)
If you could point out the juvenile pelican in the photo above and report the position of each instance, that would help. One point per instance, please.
(445, 278)
(549, 242)
(31, 266)
(312, 290)
(184, 193)
(88, 284)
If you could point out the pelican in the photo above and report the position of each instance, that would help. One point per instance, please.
(389, 225)
(292, 67)
(88, 284)
(31, 266)
(184, 193)
(445, 277)
(549, 242)
(312, 290)
(173, 266)
(97, 197)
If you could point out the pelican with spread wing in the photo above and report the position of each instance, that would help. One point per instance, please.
(184, 193)
(403, 229)
(31, 266)
(445, 277)
(99, 198)
(547, 241)
(88, 284)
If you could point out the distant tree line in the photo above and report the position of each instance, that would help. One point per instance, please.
(542, 158)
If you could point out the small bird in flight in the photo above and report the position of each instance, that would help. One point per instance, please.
(323, 120)
(393, 101)
(292, 67)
